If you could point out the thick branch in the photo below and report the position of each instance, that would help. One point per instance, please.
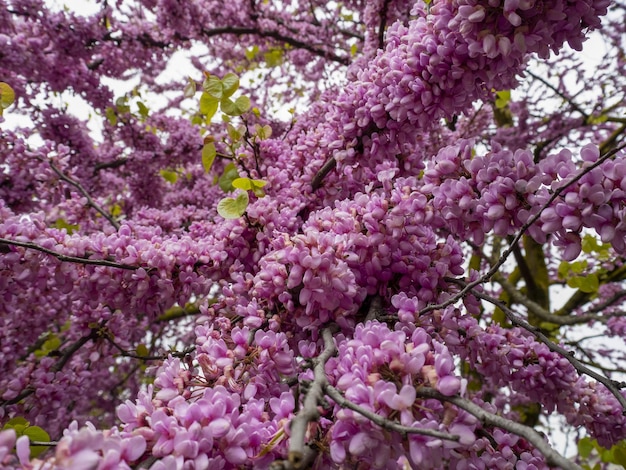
(544, 314)
(314, 397)
(383, 24)
(553, 458)
(112, 164)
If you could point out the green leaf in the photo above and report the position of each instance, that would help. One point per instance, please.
(142, 350)
(169, 175)
(208, 105)
(236, 108)
(263, 132)
(234, 133)
(190, 88)
(353, 50)
(588, 284)
(52, 343)
(111, 116)
(242, 183)
(143, 110)
(273, 57)
(230, 84)
(597, 119)
(7, 96)
(37, 434)
(252, 52)
(233, 208)
(242, 104)
(590, 244)
(16, 422)
(585, 446)
(122, 105)
(606, 455)
(502, 98)
(62, 224)
(213, 86)
(591, 284)
(566, 269)
(619, 454)
(226, 180)
(248, 184)
(208, 156)
(116, 211)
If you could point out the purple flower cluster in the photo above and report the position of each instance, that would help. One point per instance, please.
(302, 258)
(514, 359)
(439, 63)
(379, 370)
(502, 190)
(356, 249)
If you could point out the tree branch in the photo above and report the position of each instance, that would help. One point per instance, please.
(611, 385)
(558, 92)
(489, 274)
(243, 31)
(383, 422)
(112, 164)
(66, 355)
(328, 166)
(579, 297)
(314, 397)
(69, 259)
(84, 192)
(161, 357)
(544, 314)
(553, 458)
(383, 24)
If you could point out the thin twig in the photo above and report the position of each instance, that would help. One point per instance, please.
(558, 92)
(162, 357)
(44, 444)
(383, 422)
(296, 43)
(66, 355)
(485, 277)
(328, 166)
(579, 366)
(69, 259)
(84, 192)
(553, 458)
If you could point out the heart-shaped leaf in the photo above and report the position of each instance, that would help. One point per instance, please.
(233, 208)
(208, 156)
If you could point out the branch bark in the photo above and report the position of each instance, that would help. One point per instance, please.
(69, 259)
(524, 228)
(84, 192)
(553, 458)
(383, 422)
(314, 397)
(611, 385)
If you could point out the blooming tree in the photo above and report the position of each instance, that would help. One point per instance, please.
(192, 276)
